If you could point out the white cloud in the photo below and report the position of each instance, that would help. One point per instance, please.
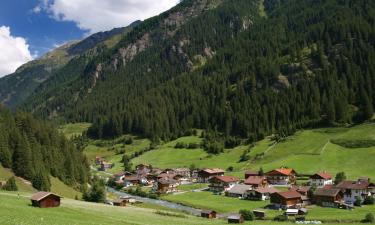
(14, 51)
(101, 15)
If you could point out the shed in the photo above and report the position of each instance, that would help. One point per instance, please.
(120, 202)
(259, 214)
(209, 214)
(45, 200)
(235, 218)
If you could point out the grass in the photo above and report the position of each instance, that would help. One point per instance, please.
(5, 174)
(62, 189)
(190, 187)
(74, 129)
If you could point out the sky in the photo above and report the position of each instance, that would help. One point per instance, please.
(30, 28)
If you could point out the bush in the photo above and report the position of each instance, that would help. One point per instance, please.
(180, 145)
(128, 141)
(11, 185)
(369, 218)
(247, 214)
(230, 169)
(214, 147)
(193, 146)
(369, 200)
(358, 201)
(231, 142)
(281, 218)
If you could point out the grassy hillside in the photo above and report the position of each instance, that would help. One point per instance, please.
(5, 174)
(14, 210)
(307, 151)
(70, 130)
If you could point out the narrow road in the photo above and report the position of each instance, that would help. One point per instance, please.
(171, 205)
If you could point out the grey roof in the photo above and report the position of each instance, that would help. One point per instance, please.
(234, 216)
(239, 189)
(327, 192)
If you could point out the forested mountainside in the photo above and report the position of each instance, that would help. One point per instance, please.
(17, 87)
(34, 150)
(247, 68)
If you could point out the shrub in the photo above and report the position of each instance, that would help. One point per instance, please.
(193, 146)
(247, 214)
(358, 201)
(369, 200)
(11, 185)
(180, 145)
(369, 218)
(230, 169)
(231, 142)
(281, 218)
(128, 141)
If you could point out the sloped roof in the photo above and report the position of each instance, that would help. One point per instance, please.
(239, 189)
(356, 185)
(327, 192)
(322, 175)
(289, 194)
(226, 179)
(264, 190)
(214, 170)
(41, 195)
(234, 217)
(167, 181)
(254, 180)
(207, 211)
(282, 171)
(250, 172)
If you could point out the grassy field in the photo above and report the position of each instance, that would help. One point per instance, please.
(17, 211)
(74, 129)
(5, 174)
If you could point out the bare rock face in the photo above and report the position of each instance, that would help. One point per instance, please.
(128, 53)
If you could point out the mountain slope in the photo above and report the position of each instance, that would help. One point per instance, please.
(17, 87)
(246, 68)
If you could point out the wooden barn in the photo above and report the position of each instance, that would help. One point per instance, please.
(286, 199)
(45, 200)
(236, 218)
(209, 214)
(122, 202)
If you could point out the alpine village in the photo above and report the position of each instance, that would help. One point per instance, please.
(212, 112)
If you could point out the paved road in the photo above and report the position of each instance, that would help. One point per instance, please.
(163, 203)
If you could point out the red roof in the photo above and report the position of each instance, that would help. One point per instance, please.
(322, 175)
(282, 171)
(289, 194)
(226, 179)
(214, 171)
(254, 180)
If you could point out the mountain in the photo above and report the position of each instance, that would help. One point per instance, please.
(16, 88)
(244, 68)
(34, 150)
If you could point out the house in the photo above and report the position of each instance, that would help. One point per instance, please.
(286, 199)
(121, 175)
(328, 197)
(259, 214)
(282, 176)
(235, 218)
(45, 200)
(256, 181)
(238, 191)
(356, 189)
(105, 166)
(250, 173)
(261, 194)
(99, 160)
(321, 179)
(209, 214)
(165, 186)
(131, 180)
(143, 169)
(206, 174)
(185, 173)
(222, 183)
(303, 190)
(120, 202)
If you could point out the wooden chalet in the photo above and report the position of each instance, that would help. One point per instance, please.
(165, 186)
(209, 214)
(45, 200)
(261, 194)
(105, 166)
(303, 190)
(321, 179)
(256, 181)
(238, 191)
(250, 173)
(222, 183)
(353, 189)
(328, 197)
(206, 174)
(235, 218)
(282, 176)
(286, 199)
